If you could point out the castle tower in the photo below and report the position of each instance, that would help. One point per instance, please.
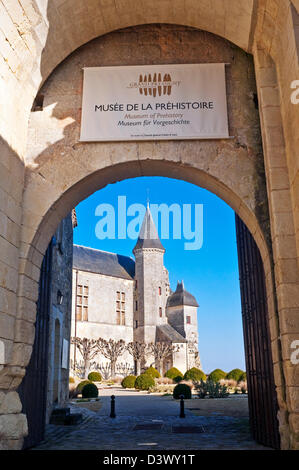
(151, 282)
(182, 316)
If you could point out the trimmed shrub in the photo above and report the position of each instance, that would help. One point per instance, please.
(81, 385)
(71, 380)
(152, 372)
(144, 382)
(174, 374)
(129, 381)
(90, 391)
(243, 377)
(195, 375)
(217, 375)
(190, 383)
(235, 374)
(94, 377)
(182, 389)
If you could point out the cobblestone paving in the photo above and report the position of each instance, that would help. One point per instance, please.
(100, 432)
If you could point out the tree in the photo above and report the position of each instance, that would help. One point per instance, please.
(111, 350)
(88, 349)
(161, 350)
(137, 349)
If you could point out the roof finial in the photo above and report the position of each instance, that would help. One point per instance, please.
(147, 198)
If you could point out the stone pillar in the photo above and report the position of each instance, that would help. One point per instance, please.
(13, 424)
(284, 328)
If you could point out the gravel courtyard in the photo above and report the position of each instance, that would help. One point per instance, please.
(222, 424)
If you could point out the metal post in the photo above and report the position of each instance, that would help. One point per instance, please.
(182, 407)
(112, 413)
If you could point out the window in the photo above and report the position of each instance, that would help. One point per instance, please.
(160, 312)
(120, 308)
(136, 284)
(136, 305)
(136, 323)
(160, 291)
(82, 303)
(189, 320)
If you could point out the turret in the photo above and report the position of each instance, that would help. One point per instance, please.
(181, 311)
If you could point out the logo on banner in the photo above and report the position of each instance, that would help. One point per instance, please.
(154, 85)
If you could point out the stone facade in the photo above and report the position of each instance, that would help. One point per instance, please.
(102, 316)
(39, 188)
(60, 316)
(115, 298)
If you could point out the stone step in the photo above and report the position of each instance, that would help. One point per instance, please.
(63, 416)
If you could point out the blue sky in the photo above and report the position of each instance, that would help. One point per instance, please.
(210, 273)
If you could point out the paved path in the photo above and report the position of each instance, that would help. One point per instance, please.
(138, 404)
(100, 432)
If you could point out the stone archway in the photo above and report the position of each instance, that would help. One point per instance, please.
(101, 178)
(41, 217)
(66, 171)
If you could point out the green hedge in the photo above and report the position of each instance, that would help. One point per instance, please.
(129, 381)
(152, 372)
(195, 375)
(235, 374)
(243, 377)
(182, 389)
(144, 382)
(82, 384)
(95, 377)
(216, 375)
(90, 391)
(174, 374)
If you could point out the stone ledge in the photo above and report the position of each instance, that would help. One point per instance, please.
(13, 426)
(10, 403)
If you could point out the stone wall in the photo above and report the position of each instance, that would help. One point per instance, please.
(34, 38)
(102, 321)
(61, 281)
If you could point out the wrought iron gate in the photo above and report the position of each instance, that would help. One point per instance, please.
(33, 389)
(261, 389)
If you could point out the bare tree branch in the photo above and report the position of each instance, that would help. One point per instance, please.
(112, 350)
(138, 350)
(161, 350)
(88, 349)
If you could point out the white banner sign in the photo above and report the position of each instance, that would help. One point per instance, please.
(154, 102)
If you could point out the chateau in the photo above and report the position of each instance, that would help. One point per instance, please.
(119, 298)
(46, 169)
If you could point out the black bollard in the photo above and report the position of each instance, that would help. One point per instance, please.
(182, 407)
(112, 414)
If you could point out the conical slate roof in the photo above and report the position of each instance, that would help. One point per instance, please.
(181, 297)
(148, 236)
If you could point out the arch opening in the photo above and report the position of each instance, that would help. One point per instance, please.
(263, 293)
